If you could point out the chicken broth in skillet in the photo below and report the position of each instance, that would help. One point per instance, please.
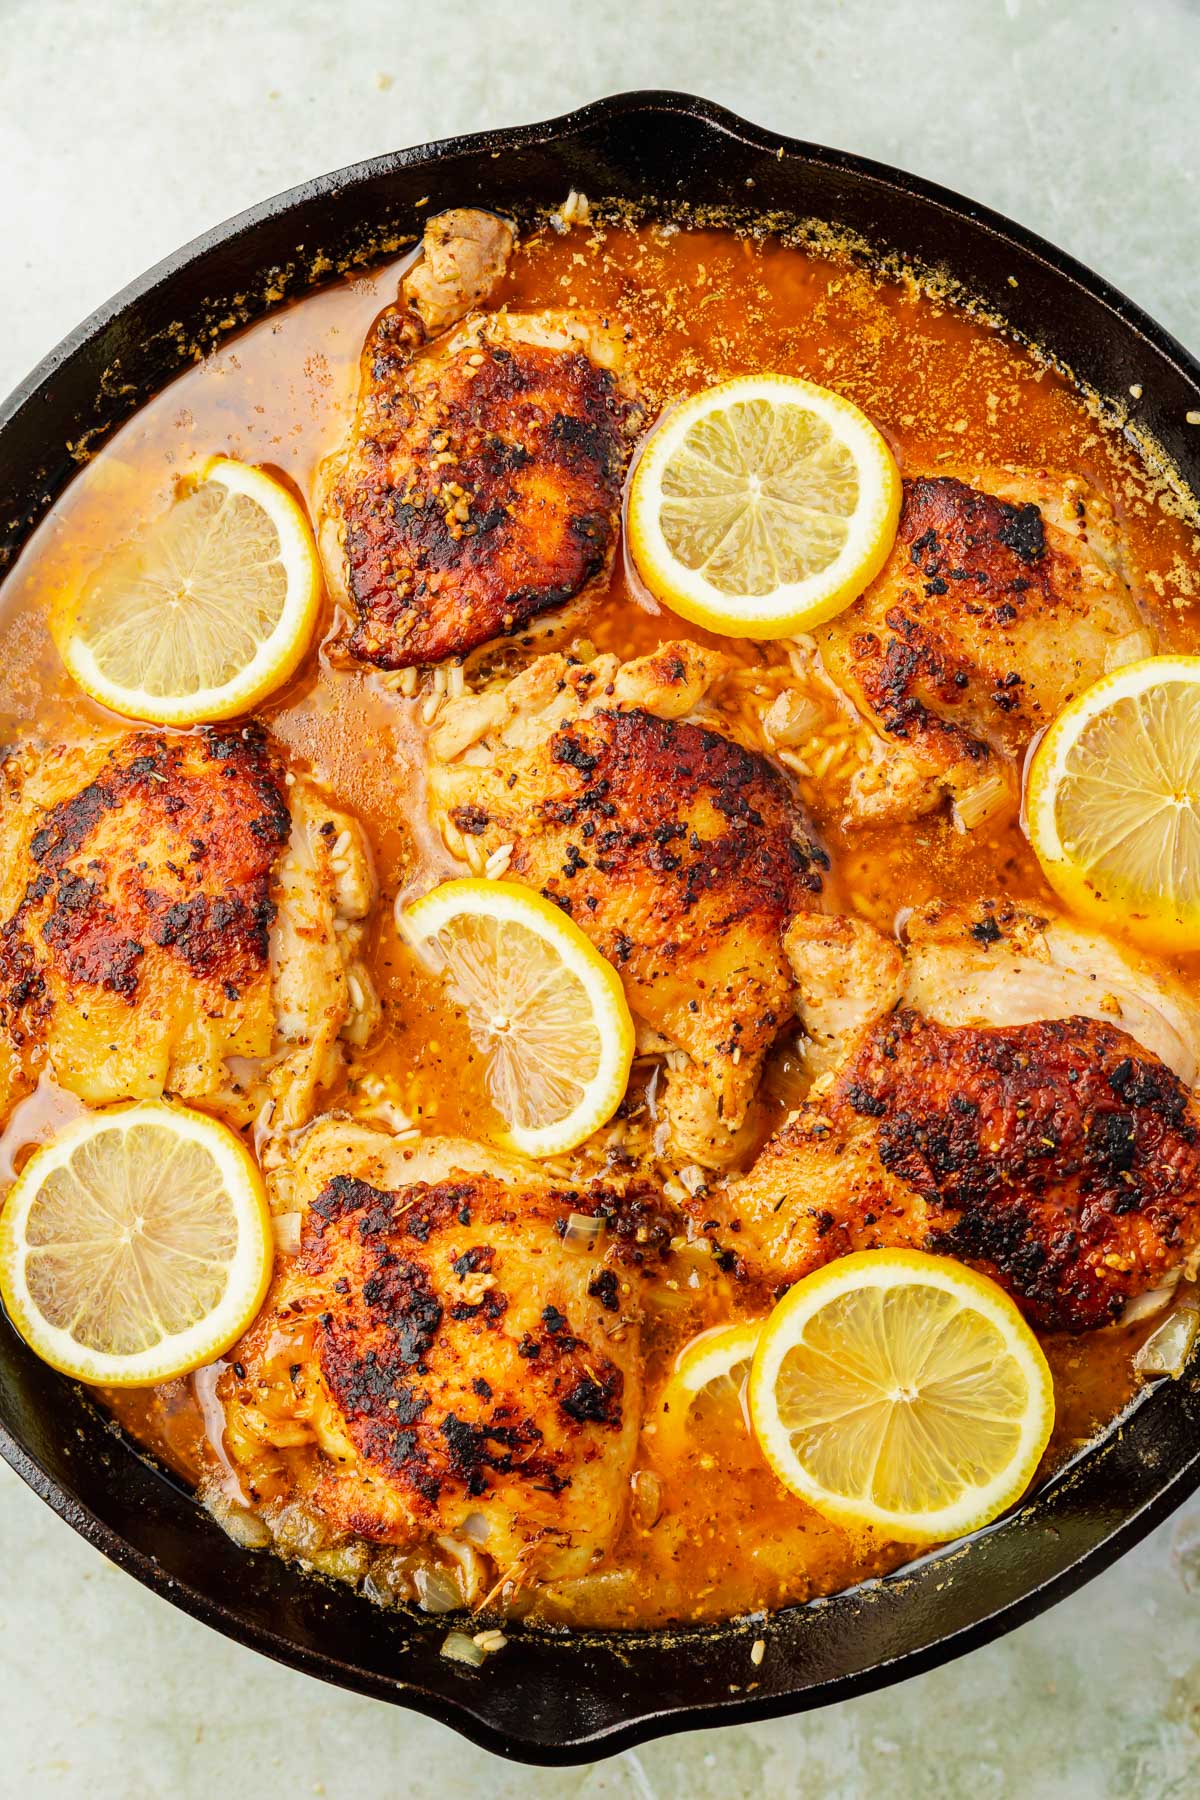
(861, 1016)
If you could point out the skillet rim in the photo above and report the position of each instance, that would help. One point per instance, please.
(674, 103)
(467, 1710)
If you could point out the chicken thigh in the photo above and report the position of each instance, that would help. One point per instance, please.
(1027, 1107)
(481, 483)
(452, 1361)
(681, 854)
(180, 915)
(1002, 599)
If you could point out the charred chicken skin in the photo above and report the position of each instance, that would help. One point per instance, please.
(169, 907)
(447, 1355)
(1003, 598)
(681, 854)
(481, 484)
(1061, 1154)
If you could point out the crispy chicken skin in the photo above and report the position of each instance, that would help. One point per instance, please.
(1002, 599)
(155, 927)
(481, 483)
(1056, 1157)
(447, 1354)
(1060, 1154)
(682, 855)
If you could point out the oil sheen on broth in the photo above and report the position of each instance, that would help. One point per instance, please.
(720, 1536)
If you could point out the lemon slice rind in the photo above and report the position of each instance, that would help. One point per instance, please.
(983, 1309)
(713, 1357)
(105, 639)
(58, 1189)
(850, 453)
(1137, 784)
(573, 1003)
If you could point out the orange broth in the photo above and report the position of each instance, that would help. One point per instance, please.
(948, 391)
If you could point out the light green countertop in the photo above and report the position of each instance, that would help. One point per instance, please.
(125, 128)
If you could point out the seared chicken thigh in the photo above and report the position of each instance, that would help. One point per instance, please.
(1027, 1108)
(481, 483)
(998, 604)
(452, 1361)
(178, 918)
(989, 963)
(682, 855)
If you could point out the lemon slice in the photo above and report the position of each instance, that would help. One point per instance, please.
(136, 1245)
(763, 506)
(709, 1377)
(545, 1008)
(1113, 802)
(903, 1392)
(204, 613)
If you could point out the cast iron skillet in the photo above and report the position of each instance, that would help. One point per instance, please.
(564, 1698)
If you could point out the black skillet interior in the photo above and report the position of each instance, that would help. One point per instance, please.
(566, 1698)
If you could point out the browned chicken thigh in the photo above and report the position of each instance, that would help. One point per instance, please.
(458, 1369)
(681, 854)
(179, 915)
(1003, 598)
(481, 483)
(1060, 1153)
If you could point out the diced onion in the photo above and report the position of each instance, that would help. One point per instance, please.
(1166, 1350)
(583, 1233)
(246, 1529)
(344, 1562)
(585, 1597)
(437, 1590)
(297, 1532)
(981, 802)
(389, 1579)
(471, 1567)
(647, 1497)
(476, 1527)
(286, 1227)
(791, 718)
(458, 1647)
(1144, 1306)
(377, 1592)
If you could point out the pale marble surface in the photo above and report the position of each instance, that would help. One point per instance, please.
(126, 126)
